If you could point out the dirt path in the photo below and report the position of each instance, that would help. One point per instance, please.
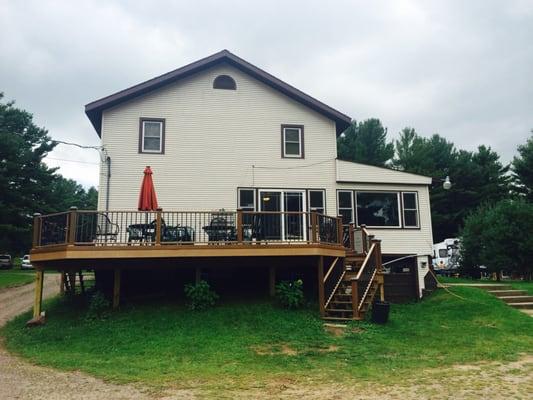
(21, 380)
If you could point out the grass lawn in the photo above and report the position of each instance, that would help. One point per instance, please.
(238, 345)
(15, 277)
(523, 285)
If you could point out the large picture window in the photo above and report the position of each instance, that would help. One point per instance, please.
(378, 209)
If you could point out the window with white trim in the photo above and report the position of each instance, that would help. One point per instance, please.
(410, 210)
(292, 141)
(378, 209)
(152, 136)
(345, 205)
(246, 201)
(316, 201)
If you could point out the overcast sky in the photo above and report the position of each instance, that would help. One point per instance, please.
(463, 69)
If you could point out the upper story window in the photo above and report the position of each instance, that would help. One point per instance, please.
(224, 82)
(292, 141)
(152, 135)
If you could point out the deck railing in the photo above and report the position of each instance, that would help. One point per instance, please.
(357, 239)
(119, 228)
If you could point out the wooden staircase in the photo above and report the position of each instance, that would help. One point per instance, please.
(359, 278)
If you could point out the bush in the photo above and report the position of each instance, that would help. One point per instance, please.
(200, 295)
(98, 306)
(290, 294)
(499, 237)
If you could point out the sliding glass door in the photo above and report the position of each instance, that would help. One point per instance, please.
(284, 227)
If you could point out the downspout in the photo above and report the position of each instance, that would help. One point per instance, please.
(108, 162)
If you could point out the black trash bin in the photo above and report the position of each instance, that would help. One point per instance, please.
(380, 312)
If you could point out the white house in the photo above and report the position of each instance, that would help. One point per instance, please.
(259, 157)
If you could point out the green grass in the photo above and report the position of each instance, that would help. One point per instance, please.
(237, 344)
(15, 277)
(522, 285)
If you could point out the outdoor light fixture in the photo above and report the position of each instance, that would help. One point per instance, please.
(447, 184)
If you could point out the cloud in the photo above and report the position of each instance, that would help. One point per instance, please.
(461, 69)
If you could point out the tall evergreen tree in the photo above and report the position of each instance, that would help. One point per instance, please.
(26, 183)
(523, 169)
(365, 143)
(476, 176)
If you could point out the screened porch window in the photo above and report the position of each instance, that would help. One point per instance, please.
(345, 205)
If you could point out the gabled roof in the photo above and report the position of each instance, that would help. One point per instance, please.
(94, 110)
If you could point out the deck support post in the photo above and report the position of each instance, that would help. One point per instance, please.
(239, 226)
(39, 277)
(321, 297)
(340, 231)
(158, 226)
(355, 299)
(62, 284)
(197, 275)
(272, 281)
(116, 289)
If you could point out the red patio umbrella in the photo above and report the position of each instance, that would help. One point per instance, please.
(147, 198)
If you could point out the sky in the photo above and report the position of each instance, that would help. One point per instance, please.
(462, 69)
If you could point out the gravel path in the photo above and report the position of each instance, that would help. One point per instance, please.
(21, 380)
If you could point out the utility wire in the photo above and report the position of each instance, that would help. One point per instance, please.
(74, 161)
(295, 167)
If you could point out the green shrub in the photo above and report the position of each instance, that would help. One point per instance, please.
(499, 237)
(200, 295)
(98, 306)
(290, 294)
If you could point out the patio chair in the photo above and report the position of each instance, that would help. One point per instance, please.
(105, 229)
(221, 230)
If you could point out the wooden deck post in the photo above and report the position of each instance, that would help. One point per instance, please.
(71, 232)
(321, 297)
(272, 281)
(197, 275)
(36, 230)
(62, 284)
(364, 238)
(116, 289)
(158, 223)
(239, 225)
(352, 236)
(340, 230)
(314, 238)
(355, 299)
(39, 277)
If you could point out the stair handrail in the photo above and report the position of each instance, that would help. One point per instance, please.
(337, 283)
(371, 266)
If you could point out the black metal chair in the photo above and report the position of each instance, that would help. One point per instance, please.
(105, 229)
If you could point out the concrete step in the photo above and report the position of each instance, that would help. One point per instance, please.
(528, 312)
(513, 292)
(528, 306)
(516, 299)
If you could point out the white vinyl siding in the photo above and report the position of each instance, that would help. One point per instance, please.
(215, 142)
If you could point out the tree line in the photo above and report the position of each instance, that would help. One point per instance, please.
(490, 204)
(27, 184)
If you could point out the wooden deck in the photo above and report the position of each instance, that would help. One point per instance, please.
(74, 241)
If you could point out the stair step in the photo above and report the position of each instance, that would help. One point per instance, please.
(516, 299)
(514, 292)
(337, 319)
(340, 302)
(339, 310)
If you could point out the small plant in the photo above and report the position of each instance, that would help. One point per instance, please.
(98, 306)
(200, 295)
(290, 294)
